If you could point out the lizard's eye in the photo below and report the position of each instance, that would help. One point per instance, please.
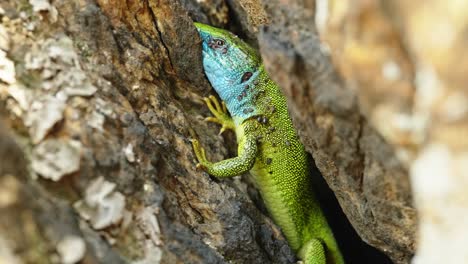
(219, 42)
(219, 45)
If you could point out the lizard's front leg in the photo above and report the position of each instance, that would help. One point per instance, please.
(247, 151)
(220, 113)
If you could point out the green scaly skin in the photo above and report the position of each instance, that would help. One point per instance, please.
(268, 145)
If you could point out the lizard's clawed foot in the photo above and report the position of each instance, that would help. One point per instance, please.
(220, 113)
(200, 154)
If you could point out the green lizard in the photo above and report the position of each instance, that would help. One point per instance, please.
(268, 144)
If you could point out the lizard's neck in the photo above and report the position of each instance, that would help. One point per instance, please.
(241, 98)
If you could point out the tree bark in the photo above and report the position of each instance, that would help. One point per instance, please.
(100, 99)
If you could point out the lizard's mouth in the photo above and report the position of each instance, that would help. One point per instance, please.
(205, 51)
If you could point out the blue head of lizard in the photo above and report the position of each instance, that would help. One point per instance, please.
(231, 66)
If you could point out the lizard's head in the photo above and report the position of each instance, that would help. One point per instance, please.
(228, 61)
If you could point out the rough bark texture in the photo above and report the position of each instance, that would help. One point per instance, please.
(99, 100)
(104, 96)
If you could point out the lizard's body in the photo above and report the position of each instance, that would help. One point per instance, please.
(268, 143)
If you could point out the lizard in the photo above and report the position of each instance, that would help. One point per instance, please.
(254, 107)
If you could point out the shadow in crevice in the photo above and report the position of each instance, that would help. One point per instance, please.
(353, 248)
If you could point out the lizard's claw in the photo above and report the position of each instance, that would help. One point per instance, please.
(200, 154)
(201, 167)
(213, 119)
(213, 104)
(220, 113)
(224, 125)
(223, 128)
